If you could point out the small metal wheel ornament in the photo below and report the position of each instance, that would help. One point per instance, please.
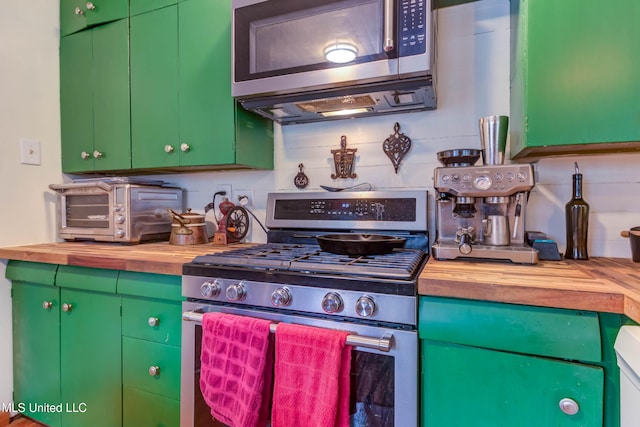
(396, 146)
(237, 225)
(343, 160)
(301, 180)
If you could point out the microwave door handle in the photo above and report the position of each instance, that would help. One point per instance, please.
(389, 43)
(60, 188)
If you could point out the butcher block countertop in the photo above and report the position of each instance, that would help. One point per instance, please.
(160, 257)
(599, 284)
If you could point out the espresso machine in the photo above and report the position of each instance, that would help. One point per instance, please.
(480, 210)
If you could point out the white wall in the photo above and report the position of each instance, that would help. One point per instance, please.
(28, 109)
(472, 81)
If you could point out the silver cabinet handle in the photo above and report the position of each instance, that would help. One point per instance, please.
(389, 43)
(168, 148)
(185, 147)
(97, 154)
(47, 305)
(78, 11)
(153, 321)
(85, 155)
(91, 6)
(154, 371)
(67, 307)
(569, 406)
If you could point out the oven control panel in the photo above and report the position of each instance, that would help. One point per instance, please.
(377, 210)
(296, 298)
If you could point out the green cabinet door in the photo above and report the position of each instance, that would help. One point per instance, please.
(94, 99)
(574, 76)
(76, 15)
(91, 358)
(154, 89)
(36, 349)
(466, 386)
(183, 114)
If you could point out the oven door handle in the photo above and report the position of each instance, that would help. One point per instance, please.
(383, 343)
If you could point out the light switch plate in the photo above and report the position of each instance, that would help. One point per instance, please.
(29, 152)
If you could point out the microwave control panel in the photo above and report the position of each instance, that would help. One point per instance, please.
(413, 27)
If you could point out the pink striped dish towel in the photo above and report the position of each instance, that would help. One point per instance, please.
(236, 368)
(311, 385)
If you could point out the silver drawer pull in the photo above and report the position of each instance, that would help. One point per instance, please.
(153, 321)
(154, 371)
(569, 406)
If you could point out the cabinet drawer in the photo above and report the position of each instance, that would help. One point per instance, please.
(565, 334)
(139, 356)
(142, 409)
(152, 320)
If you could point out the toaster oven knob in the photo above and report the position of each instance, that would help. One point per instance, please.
(119, 219)
(281, 297)
(236, 292)
(210, 289)
(365, 306)
(332, 303)
(120, 233)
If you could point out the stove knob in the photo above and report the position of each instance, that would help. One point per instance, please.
(210, 289)
(281, 297)
(365, 306)
(236, 292)
(332, 303)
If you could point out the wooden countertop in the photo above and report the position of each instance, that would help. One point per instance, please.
(598, 284)
(160, 257)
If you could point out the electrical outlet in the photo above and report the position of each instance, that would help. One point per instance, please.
(227, 189)
(243, 197)
(29, 152)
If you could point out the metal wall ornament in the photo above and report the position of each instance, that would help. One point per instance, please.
(396, 146)
(301, 180)
(343, 160)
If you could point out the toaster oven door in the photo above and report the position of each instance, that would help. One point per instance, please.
(86, 213)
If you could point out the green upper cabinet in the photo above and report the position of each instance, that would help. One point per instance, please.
(94, 99)
(76, 15)
(575, 85)
(182, 112)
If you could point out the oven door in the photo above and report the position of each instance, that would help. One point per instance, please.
(282, 46)
(384, 383)
(86, 213)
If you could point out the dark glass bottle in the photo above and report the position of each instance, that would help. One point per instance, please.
(577, 221)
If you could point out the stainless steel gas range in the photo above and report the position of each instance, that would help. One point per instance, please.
(291, 279)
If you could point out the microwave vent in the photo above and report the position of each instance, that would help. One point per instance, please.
(337, 103)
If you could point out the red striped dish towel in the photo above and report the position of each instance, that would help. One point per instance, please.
(311, 385)
(236, 368)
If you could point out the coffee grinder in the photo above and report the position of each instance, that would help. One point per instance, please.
(480, 211)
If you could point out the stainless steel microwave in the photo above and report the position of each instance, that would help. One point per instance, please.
(307, 60)
(115, 210)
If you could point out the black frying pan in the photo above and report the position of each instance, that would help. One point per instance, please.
(359, 244)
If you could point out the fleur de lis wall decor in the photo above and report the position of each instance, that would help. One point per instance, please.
(396, 146)
(343, 160)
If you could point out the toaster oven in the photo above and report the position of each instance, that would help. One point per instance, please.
(116, 210)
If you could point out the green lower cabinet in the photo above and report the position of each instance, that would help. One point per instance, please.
(151, 367)
(466, 386)
(487, 364)
(36, 349)
(142, 409)
(151, 340)
(91, 359)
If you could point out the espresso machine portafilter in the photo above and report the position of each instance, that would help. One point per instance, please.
(480, 210)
